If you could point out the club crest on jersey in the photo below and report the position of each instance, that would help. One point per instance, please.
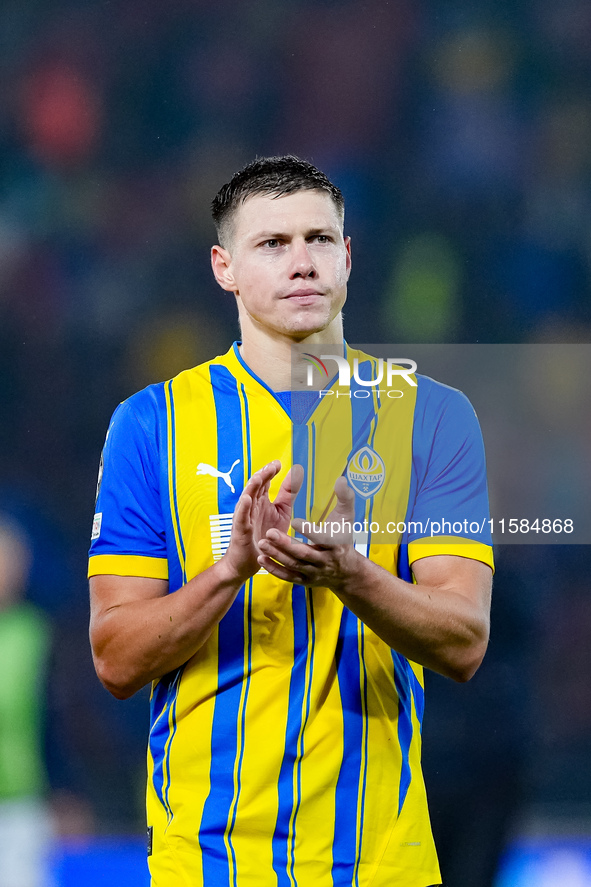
(366, 472)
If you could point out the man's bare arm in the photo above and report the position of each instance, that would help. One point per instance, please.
(441, 622)
(139, 632)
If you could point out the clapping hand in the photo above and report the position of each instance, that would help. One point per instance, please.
(326, 559)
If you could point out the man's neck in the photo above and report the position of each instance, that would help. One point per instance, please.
(270, 358)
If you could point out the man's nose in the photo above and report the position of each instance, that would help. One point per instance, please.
(302, 263)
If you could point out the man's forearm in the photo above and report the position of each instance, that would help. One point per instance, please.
(137, 640)
(434, 625)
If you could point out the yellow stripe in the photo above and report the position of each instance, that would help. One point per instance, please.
(245, 433)
(171, 469)
(265, 717)
(393, 441)
(455, 545)
(299, 747)
(247, 594)
(128, 565)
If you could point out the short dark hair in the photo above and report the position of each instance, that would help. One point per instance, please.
(272, 176)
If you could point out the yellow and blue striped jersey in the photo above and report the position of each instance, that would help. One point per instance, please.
(286, 751)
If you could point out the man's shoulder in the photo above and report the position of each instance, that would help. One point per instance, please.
(436, 398)
(433, 394)
(445, 421)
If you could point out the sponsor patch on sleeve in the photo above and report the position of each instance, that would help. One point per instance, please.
(96, 526)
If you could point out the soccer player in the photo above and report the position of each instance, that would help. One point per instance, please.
(287, 691)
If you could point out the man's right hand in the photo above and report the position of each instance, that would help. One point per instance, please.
(255, 514)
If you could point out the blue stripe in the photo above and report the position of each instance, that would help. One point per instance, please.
(292, 732)
(231, 640)
(362, 415)
(403, 569)
(405, 729)
(312, 467)
(229, 432)
(175, 691)
(363, 408)
(174, 493)
(347, 789)
(418, 695)
(243, 732)
(300, 442)
(163, 697)
(404, 572)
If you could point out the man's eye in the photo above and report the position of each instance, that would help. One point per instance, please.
(321, 238)
(272, 242)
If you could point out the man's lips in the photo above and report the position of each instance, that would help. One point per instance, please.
(302, 294)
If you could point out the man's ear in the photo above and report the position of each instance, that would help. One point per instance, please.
(348, 248)
(221, 264)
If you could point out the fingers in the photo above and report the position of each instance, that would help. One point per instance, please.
(282, 572)
(271, 469)
(258, 484)
(295, 555)
(296, 478)
(345, 506)
(290, 486)
(267, 472)
(289, 560)
(241, 521)
(337, 528)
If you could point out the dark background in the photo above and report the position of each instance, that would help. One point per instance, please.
(460, 134)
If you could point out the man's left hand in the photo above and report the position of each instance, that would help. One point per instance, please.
(328, 558)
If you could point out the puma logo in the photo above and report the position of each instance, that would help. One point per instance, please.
(204, 468)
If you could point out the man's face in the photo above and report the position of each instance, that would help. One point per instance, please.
(288, 263)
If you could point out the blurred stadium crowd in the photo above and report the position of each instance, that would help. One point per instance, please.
(460, 134)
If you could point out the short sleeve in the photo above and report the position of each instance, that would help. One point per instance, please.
(128, 534)
(450, 511)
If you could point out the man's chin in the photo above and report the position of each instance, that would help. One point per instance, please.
(305, 331)
(307, 325)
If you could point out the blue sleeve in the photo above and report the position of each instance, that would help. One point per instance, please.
(129, 522)
(449, 495)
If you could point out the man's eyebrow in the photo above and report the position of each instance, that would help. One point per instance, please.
(275, 234)
(324, 229)
(269, 234)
